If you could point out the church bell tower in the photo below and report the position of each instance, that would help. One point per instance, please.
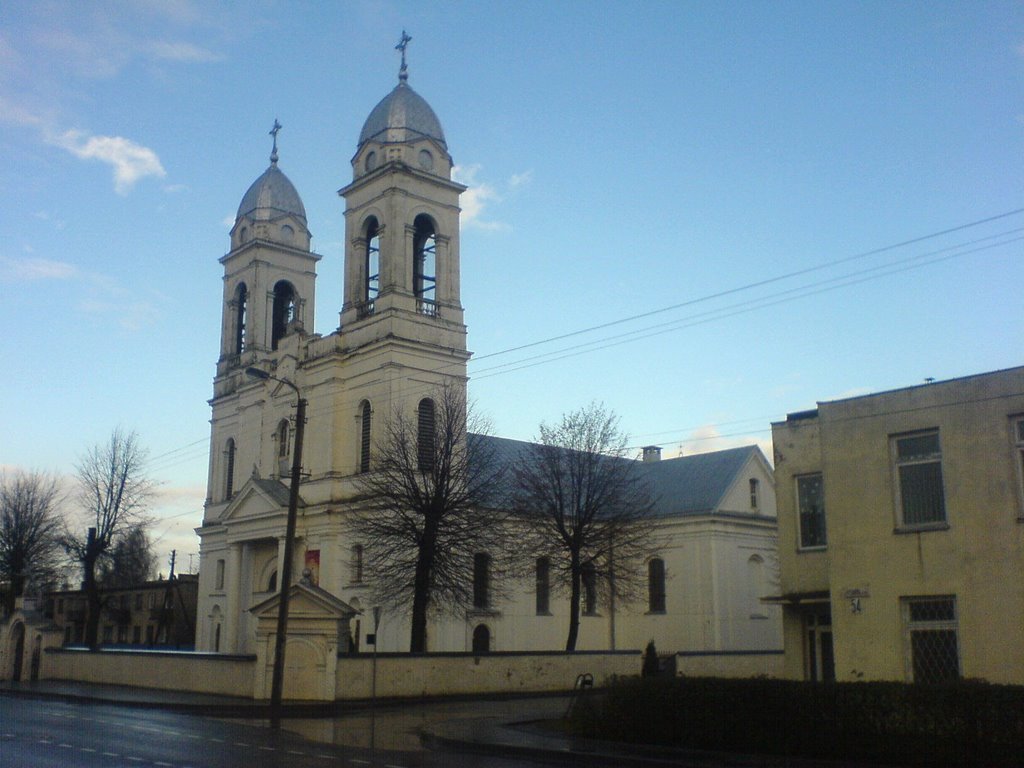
(270, 271)
(402, 294)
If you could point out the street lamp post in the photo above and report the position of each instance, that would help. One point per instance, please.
(285, 572)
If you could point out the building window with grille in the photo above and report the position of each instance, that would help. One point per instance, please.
(933, 654)
(425, 434)
(754, 489)
(365, 423)
(229, 469)
(1018, 458)
(357, 564)
(656, 586)
(810, 496)
(543, 586)
(481, 580)
(918, 469)
(588, 577)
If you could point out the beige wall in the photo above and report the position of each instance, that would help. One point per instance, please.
(730, 665)
(222, 675)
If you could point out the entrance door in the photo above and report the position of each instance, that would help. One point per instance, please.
(821, 665)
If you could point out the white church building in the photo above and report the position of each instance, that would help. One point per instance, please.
(401, 340)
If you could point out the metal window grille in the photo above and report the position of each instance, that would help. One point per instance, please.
(543, 585)
(932, 635)
(656, 586)
(364, 439)
(919, 468)
(425, 435)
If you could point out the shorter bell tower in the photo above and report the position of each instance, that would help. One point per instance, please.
(270, 271)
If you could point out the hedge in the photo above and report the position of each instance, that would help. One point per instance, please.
(966, 723)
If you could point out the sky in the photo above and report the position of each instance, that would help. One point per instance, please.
(703, 215)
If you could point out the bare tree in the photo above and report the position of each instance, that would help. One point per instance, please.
(114, 493)
(429, 506)
(29, 531)
(586, 506)
(131, 560)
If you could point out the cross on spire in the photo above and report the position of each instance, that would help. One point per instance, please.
(403, 73)
(273, 132)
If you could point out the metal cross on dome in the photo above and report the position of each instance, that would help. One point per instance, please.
(273, 132)
(403, 73)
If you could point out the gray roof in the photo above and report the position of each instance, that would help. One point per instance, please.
(276, 490)
(689, 485)
(271, 195)
(695, 484)
(402, 115)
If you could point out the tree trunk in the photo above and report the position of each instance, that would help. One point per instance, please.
(574, 604)
(421, 589)
(92, 592)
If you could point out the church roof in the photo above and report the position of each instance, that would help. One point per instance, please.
(271, 195)
(688, 485)
(402, 115)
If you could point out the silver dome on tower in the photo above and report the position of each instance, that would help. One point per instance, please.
(272, 194)
(403, 115)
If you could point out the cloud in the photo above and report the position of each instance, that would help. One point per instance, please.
(130, 161)
(475, 199)
(181, 52)
(14, 114)
(520, 179)
(131, 316)
(708, 438)
(36, 269)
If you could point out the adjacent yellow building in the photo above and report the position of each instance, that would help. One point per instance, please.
(901, 533)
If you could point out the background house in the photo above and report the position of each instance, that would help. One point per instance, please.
(901, 533)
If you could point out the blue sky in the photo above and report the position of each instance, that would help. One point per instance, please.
(622, 158)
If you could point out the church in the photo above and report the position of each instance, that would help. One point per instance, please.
(401, 340)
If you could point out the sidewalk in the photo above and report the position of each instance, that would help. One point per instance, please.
(512, 727)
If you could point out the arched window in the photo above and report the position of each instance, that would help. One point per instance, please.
(372, 287)
(283, 429)
(357, 564)
(240, 307)
(272, 582)
(754, 500)
(481, 580)
(283, 312)
(424, 264)
(481, 639)
(589, 579)
(425, 434)
(656, 585)
(543, 586)
(365, 416)
(229, 469)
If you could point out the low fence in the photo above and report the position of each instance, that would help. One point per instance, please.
(730, 663)
(402, 675)
(398, 675)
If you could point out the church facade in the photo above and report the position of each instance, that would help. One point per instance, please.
(400, 342)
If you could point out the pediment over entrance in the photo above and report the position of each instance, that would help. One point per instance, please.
(256, 498)
(305, 601)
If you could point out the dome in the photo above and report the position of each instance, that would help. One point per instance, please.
(402, 115)
(270, 195)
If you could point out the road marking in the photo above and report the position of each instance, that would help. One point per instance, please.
(241, 744)
(88, 749)
(66, 746)
(295, 752)
(111, 754)
(219, 741)
(359, 762)
(135, 759)
(166, 765)
(267, 749)
(326, 757)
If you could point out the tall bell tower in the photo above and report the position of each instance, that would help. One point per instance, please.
(402, 302)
